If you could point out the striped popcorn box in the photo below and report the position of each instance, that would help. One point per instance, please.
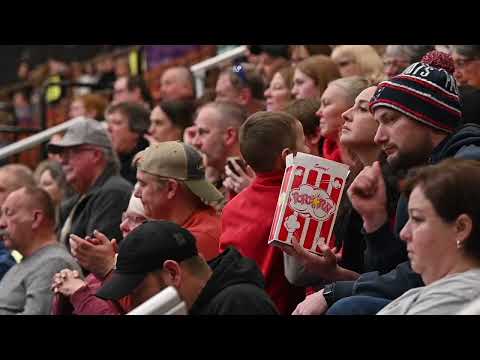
(312, 188)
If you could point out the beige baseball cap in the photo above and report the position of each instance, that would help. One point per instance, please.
(179, 161)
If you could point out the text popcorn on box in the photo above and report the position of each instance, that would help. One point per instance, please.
(312, 188)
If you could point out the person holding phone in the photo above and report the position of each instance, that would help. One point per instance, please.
(239, 175)
(216, 137)
(266, 139)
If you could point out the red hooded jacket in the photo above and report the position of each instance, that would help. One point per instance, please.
(246, 223)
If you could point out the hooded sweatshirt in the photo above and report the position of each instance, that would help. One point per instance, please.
(246, 223)
(463, 144)
(236, 287)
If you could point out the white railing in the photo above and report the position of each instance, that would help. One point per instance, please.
(166, 302)
(199, 71)
(34, 140)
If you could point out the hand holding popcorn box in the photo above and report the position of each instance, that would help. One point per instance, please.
(307, 206)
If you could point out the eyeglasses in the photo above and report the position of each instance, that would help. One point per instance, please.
(133, 219)
(461, 63)
(73, 151)
(396, 63)
(344, 63)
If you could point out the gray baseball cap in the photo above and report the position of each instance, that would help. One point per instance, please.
(85, 131)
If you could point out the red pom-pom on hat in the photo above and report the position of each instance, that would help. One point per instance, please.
(439, 60)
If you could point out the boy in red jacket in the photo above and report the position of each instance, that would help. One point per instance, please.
(266, 139)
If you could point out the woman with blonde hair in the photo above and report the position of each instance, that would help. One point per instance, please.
(359, 129)
(346, 247)
(359, 60)
(312, 75)
(337, 98)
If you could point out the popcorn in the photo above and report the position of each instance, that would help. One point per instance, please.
(307, 206)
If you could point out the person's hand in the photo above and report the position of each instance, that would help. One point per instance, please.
(67, 282)
(151, 140)
(189, 134)
(96, 254)
(238, 182)
(314, 304)
(369, 197)
(324, 265)
(60, 276)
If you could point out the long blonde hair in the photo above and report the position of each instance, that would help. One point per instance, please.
(352, 85)
(370, 63)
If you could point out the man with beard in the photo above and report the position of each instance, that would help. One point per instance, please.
(419, 114)
(159, 254)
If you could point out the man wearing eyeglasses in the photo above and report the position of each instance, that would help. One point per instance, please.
(397, 57)
(171, 186)
(467, 64)
(466, 59)
(76, 296)
(92, 168)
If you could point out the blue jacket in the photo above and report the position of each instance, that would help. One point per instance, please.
(6, 260)
(464, 144)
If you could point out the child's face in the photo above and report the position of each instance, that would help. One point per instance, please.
(300, 144)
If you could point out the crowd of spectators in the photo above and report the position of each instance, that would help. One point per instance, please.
(178, 190)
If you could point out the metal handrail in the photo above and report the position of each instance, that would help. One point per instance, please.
(17, 129)
(199, 70)
(37, 139)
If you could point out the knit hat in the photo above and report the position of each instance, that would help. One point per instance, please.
(426, 91)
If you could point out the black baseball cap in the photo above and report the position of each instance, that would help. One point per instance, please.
(145, 250)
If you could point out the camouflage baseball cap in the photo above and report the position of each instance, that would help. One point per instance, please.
(85, 131)
(179, 161)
